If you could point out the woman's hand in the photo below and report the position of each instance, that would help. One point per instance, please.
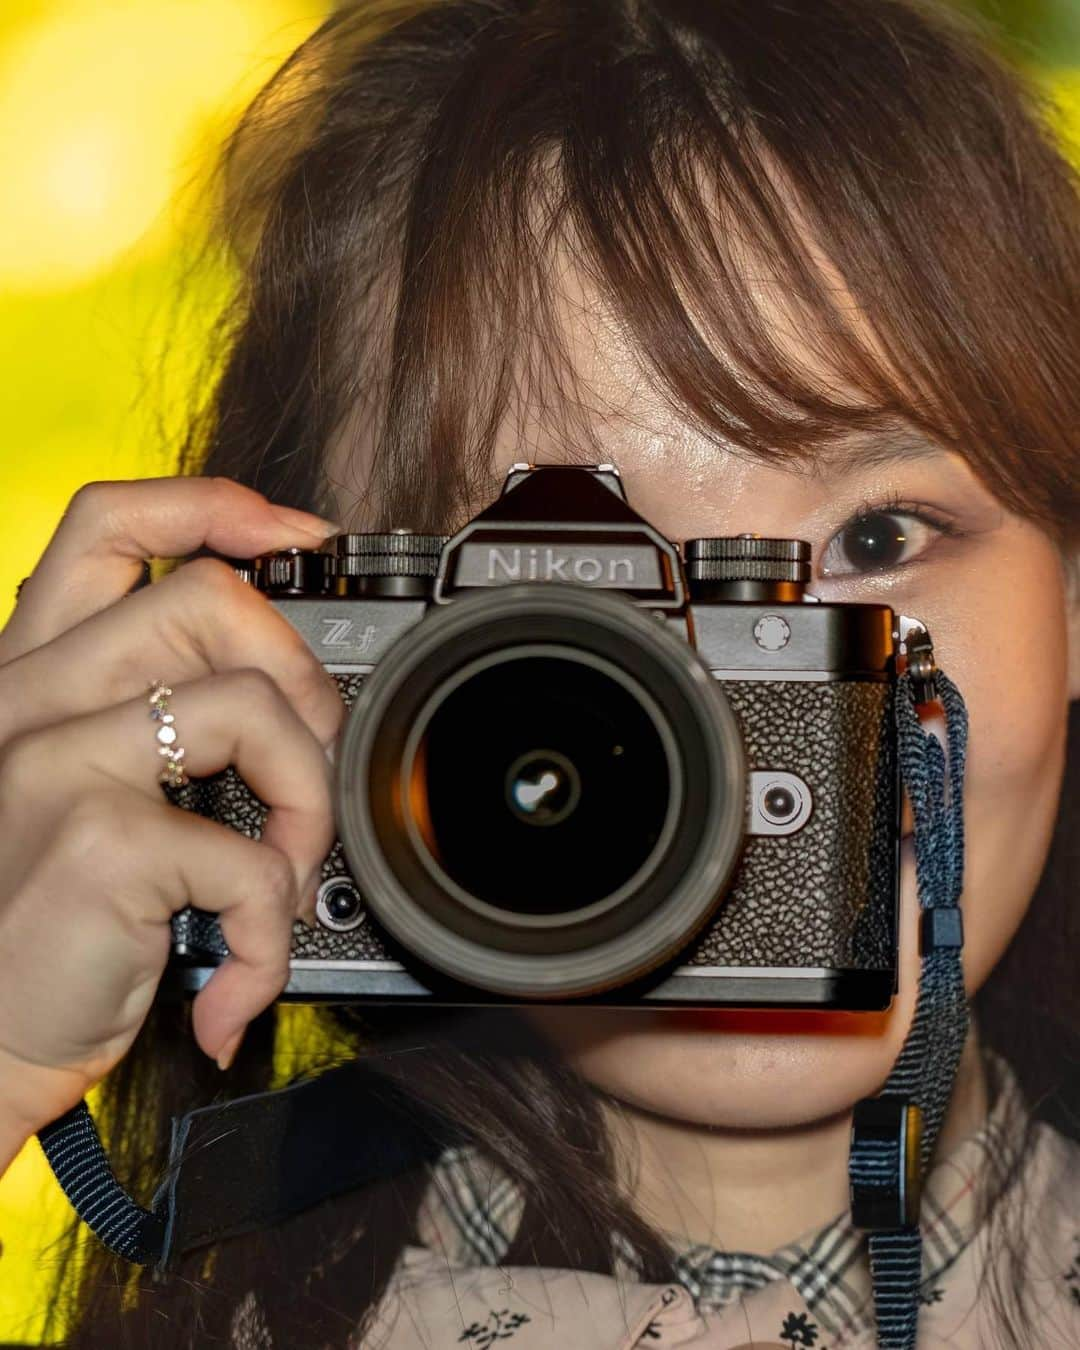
(94, 860)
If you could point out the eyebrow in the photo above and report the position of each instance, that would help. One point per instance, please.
(872, 449)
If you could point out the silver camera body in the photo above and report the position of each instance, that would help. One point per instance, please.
(585, 764)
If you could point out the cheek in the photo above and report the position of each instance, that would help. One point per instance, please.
(1005, 646)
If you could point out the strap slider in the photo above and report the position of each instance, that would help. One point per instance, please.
(942, 927)
(884, 1167)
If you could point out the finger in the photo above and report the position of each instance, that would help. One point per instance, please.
(140, 863)
(241, 718)
(110, 528)
(251, 888)
(199, 620)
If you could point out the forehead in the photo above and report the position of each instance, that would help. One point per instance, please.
(586, 386)
(585, 392)
(584, 367)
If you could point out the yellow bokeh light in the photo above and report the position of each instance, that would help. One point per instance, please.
(1064, 88)
(101, 108)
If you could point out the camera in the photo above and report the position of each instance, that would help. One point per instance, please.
(582, 763)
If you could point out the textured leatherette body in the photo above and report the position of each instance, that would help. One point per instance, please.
(824, 897)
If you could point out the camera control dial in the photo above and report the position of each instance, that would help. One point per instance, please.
(398, 553)
(747, 567)
(747, 557)
(398, 562)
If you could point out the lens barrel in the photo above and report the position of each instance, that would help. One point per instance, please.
(541, 791)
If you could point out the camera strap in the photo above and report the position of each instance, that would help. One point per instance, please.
(252, 1162)
(893, 1134)
(244, 1164)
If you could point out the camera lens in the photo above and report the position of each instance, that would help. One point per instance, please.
(540, 783)
(541, 791)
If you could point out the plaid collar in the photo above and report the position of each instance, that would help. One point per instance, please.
(472, 1210)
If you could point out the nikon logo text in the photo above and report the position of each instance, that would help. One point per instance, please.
(550, 564)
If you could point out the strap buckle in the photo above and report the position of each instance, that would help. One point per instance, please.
(885, 1172)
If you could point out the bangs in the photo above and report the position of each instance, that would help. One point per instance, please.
(738, 308)
(811, 221)
(789, 265)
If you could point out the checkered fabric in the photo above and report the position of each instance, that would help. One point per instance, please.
(472, 1210)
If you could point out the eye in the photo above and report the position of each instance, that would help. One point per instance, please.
(879, 539)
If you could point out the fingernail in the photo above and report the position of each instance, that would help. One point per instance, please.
(309, 908)
(305, 912)
(304, 520)
(227, 1053)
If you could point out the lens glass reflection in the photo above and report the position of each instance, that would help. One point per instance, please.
(541, 785)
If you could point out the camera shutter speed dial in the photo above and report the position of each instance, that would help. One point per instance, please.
(398, 562)
(747, 567)
(399, 553)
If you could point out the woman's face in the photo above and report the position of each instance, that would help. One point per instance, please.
(992, 592)
(992, 589)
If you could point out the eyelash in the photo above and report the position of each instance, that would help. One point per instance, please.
(890, 506)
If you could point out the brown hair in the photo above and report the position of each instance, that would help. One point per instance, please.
(394, 199)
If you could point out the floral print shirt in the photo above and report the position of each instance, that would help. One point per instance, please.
(454, 1291)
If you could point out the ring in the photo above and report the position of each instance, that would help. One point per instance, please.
(173, 774)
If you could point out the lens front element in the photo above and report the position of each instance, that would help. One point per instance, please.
(607, 768)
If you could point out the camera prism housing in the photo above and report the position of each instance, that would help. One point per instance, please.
(583, 764)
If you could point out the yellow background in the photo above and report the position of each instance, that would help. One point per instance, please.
(109, 114)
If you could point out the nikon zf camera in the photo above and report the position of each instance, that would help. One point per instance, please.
(582, 763)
